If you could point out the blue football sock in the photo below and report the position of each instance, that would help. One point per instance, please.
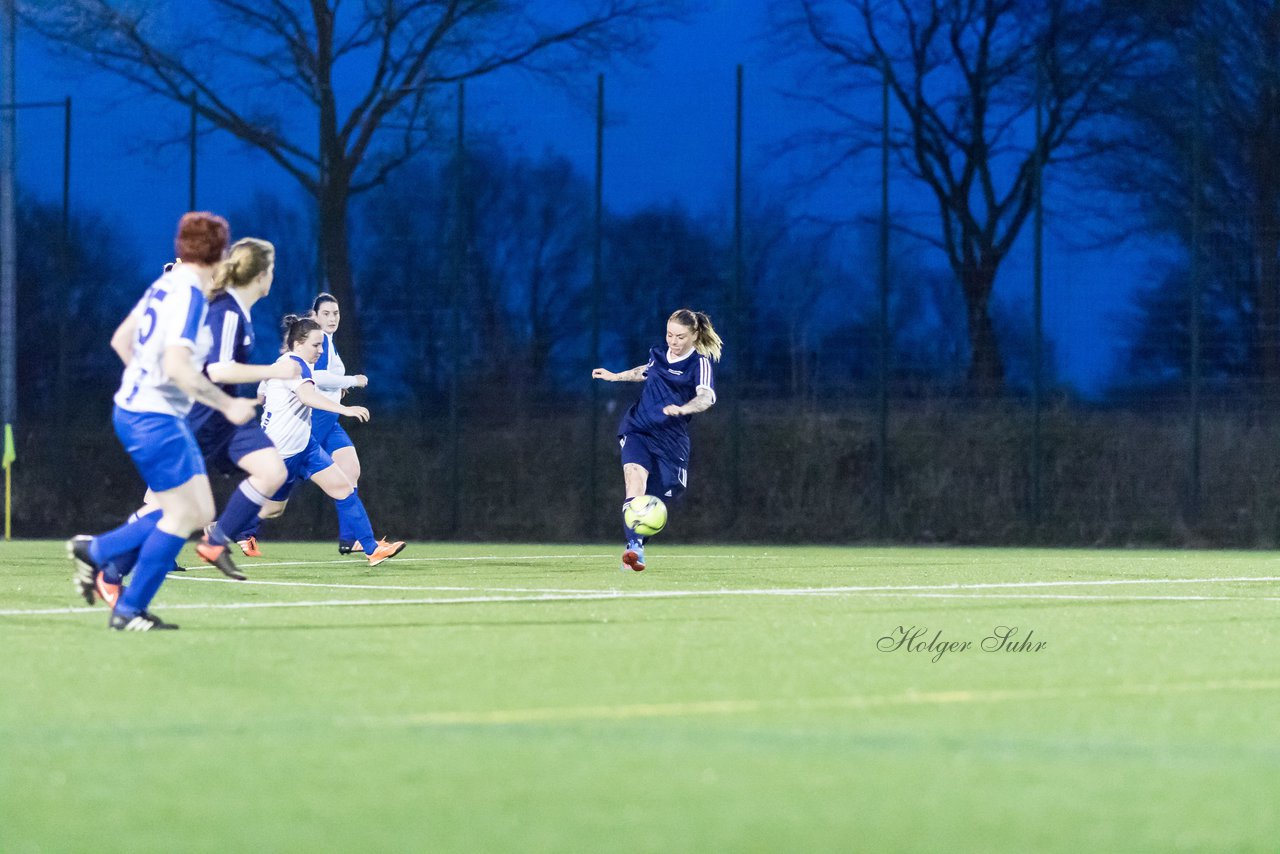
(251, 529)
(353, 519)
(114, 570)
(345, 534)
(154, 562)
(627, 531)
(127, 538)
(242, 508)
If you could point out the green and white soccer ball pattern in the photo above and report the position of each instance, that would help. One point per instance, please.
(645, 514)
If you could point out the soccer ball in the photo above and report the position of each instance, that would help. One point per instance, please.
(645, 514)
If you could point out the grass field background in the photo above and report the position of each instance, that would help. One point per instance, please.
(475, 697)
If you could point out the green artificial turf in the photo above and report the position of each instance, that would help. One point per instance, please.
(475, 697)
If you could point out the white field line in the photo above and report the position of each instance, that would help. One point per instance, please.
(776, 591)
(632, 711)
(253, 564)
(220, 579)
(360, 559)
(1094, 597)
(902, 591)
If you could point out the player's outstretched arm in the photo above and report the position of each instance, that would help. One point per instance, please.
(634, 375)
(311, 396)
(177, 365)
(329, 381)
(234, 373)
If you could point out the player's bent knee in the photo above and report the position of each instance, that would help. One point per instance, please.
(338, 493)
(271, 510)
(273, 479)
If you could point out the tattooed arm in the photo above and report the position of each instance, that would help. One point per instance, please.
(635, 375)
(704, 400)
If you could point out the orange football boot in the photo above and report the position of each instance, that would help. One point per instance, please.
(385, 550)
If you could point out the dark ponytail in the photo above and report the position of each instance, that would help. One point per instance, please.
(296, 329)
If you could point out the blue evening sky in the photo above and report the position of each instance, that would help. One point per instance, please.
(669, 138)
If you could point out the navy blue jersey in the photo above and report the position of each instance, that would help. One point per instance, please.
(232, 332)
(668, 383)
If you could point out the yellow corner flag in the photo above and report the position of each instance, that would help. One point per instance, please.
(7, 462)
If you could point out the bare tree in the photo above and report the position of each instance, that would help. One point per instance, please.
(317, 85)
(1215, 73)
(966, 75)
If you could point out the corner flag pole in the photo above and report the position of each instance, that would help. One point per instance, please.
(6, 460)
(8, 262)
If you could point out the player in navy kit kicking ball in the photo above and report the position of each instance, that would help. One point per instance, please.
(654, 433)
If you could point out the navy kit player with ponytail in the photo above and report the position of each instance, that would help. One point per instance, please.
(654, 433)
(243, 278)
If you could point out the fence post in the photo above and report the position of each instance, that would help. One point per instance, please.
(459, 267)
(191, 155)
(882, 382)
(1037, 341)
(741, 351)
(1197, 177)
(597, 284)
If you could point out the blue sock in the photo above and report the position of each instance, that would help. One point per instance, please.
(114, 570)
(627, 531)
(250, 529)
(128, 537)
(154, 562)
(353, 519)
(242, 508)
(345, 534)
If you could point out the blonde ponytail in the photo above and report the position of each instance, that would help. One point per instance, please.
(248, 258)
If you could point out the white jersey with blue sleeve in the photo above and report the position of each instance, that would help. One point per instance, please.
(330, 373)
(285, 418)
(170, 314)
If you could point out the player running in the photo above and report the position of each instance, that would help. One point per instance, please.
(287, 417)
(159, 384)
(331, 380)
(654, 432)
(243, 278)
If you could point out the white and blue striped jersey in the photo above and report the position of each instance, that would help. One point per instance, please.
(170, 314)
(285, 418)
(330, 373)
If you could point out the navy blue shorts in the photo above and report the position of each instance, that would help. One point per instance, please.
(310, 460)
(668, 472)
(326, 430)
(224, 444)
(161, 446)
